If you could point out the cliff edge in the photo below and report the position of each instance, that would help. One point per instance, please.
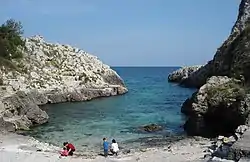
(51, 73)
(222, 102)
(220, 65)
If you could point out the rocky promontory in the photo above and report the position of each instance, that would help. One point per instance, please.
(51, 73)
(181, 74)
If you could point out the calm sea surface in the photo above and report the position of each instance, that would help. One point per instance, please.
(151, 99)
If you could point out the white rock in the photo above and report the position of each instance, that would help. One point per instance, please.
(220, 137)
(34, 75)
(219, 159)
(241, 129)
(54, 66)
(231, 139)
(237, 135)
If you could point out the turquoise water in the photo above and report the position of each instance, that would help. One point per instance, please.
(151, 99)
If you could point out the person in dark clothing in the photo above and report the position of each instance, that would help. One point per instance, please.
(70, 147)
(105, 147)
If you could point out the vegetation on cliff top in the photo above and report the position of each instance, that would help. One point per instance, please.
(11, 42)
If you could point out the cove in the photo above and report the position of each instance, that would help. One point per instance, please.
(151, 99)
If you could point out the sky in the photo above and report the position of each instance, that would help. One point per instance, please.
(130, 32)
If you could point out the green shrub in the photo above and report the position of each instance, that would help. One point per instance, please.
(11, 40)
(225, 93)
(11, 43)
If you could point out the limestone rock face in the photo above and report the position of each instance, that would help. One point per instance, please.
(219, 107)
(52, 73)
(222, 101)
(229, 53)
(182, 73)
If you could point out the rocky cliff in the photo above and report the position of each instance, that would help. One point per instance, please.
(218, 107)
(222, 101)
(224, 57)
(51, 73)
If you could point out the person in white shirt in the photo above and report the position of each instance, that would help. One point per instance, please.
(114, 147)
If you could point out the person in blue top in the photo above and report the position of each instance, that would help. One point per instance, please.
(105, 147)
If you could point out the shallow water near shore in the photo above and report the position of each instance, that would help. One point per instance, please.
(151, 99)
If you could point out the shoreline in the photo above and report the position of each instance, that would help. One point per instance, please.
(15, 147)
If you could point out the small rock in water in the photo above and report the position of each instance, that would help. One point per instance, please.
(88, 134)
(151, 128)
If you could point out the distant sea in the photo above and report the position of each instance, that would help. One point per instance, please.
(151, 99)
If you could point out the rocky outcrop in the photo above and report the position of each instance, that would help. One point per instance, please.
(222, 102)
(151, 128)
(182, 73)
(229, 53)
(51, 73)
(217, 108)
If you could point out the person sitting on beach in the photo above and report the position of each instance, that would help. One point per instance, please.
(114, 147)
(70, 148)
(64, 152)
(105, 147)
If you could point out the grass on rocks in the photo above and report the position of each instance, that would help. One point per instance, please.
(226, 93)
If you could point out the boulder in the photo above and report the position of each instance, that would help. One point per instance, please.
(218, 107)
(22, 103)
(20, 122)
(6, 126)
(21, 111)
(151, 128)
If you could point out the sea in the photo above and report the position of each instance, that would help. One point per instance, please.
(151, 99)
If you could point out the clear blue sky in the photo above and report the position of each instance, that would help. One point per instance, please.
(130, 32)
